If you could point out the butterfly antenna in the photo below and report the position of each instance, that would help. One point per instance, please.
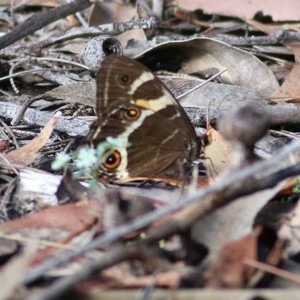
(210, 102)
(207, 126)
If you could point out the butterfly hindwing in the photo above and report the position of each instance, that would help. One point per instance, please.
(132, 103)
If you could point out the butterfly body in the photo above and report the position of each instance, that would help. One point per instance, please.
(134, 105)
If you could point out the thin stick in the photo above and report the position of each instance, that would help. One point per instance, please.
(201, 84)
(42, 19)
(273, 270)
(109, 28)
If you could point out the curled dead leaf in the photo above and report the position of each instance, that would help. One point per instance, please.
(201, 55)
(28, 153)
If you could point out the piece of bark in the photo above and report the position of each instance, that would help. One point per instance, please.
(69, 125)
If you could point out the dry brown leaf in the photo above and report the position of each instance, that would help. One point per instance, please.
(121, 276)
(208, 56)
(74, 46)
(291, 85)
(230, 269)
(232, 221)
(67, 218)
(170, 279)
(4, 145)
(217, 153)
(58, 224)
(112, 12)
(28, 153)
(278, 9)
(12, 273)
(266, 28)
(78, 92)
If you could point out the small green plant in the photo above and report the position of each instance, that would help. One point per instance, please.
(85, 161)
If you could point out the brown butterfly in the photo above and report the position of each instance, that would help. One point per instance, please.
(134, 105)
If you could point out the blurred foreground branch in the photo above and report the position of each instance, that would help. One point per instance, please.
(169, 220)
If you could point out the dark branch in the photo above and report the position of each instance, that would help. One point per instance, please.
(42, 19)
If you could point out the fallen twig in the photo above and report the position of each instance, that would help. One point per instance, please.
(110, 28)
(69, 125)
(278, 38)
(42, 19)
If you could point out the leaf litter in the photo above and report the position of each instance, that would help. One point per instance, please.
(237, 246)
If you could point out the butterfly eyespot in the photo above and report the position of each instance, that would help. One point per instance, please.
(124, 79)
(132, 113)
(113, 160)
